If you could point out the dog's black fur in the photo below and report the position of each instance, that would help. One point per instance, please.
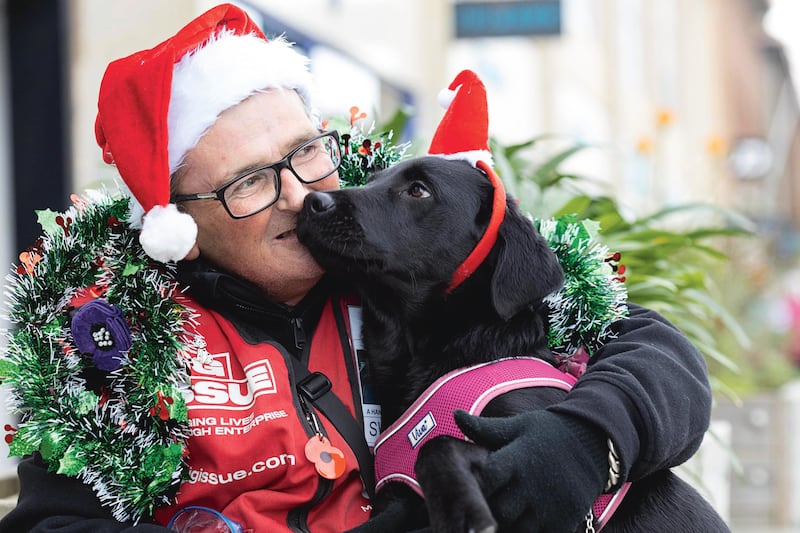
(399, 240)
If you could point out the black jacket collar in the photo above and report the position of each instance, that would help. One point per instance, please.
(256, 318)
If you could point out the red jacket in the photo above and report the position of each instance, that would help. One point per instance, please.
(248, 430)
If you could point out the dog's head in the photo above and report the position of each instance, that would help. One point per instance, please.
(411, 227)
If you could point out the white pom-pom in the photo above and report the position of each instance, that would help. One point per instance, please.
(167, 234)
(445, 97)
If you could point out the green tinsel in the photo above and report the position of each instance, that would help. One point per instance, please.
(101, 427)
(364, 153)
(592, 297)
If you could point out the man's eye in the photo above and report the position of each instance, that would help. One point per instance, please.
(418, 190)
(252, 184)
(306, 153)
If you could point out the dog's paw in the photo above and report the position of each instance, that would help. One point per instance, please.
(446, 470)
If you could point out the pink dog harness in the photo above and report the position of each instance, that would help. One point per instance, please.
(470, 389)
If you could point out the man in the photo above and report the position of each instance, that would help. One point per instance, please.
(214, 133)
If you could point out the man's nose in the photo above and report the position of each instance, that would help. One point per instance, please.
(293, 191)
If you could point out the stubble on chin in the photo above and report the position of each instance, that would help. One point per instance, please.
(293, 281)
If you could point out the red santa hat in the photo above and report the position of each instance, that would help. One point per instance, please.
(463, 133)
(155, 105)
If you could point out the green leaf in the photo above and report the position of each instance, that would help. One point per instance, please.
(72, 462)
(132, 268)
(86, 402)
(732, 219)
(716, 355)
(53, 446)
(577, 205)
(47, 220)
(741, 337)
(547, 174)
(397, 123)
(23, 443)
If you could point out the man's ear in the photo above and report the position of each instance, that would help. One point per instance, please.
(526, 270)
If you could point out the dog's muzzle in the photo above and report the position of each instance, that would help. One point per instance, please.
(319, 202)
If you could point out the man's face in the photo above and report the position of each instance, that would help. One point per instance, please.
(262, 248)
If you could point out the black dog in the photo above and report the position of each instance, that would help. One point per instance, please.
(399, 240)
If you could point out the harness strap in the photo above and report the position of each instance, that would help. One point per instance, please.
(431, 415)
(470, 389)
(316, 388)
(605, 505)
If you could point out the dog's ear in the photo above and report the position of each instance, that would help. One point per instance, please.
(526, 270)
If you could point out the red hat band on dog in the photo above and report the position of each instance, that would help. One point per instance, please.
(463, 133)
(156, 104)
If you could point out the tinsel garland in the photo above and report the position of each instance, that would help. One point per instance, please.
(117, 420)
(366, 152)
(593, 295)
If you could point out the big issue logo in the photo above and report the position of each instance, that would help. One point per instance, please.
(213, 384)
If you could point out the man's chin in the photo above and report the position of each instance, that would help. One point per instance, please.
(292, 291)
(297, 280)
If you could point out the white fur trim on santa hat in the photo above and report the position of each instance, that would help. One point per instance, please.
(221, 74)
(167, 234)
(470, 156)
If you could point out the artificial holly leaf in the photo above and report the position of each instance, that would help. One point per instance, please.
(47, 220)
(87, 401)
(72, 462)
(132, 268)
(22, 443)
(53, 446)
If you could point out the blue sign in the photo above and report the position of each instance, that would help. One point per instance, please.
(497, 19)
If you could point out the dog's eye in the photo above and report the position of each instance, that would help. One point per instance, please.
(418, 190)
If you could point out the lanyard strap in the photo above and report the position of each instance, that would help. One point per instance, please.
(316, 388)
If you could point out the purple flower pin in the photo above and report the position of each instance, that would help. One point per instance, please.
(99, 329)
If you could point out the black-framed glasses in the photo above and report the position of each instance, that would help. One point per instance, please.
(255, 190)
(197, 519)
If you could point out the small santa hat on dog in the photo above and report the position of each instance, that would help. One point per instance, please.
(463, 133)
(155, 105)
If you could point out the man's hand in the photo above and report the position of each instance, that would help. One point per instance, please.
(543, 472)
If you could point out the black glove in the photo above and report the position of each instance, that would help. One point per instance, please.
(544, 471)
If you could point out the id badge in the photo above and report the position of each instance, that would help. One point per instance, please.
(370, 407)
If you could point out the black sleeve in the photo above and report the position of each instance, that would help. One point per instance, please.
(648, 390)
(50, 502)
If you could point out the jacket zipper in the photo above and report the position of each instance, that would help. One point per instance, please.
(299, 333)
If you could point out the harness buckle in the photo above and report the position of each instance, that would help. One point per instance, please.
(314, 386)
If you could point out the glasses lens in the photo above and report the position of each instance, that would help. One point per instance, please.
(202, 520)
(252, 192)
(317, 159)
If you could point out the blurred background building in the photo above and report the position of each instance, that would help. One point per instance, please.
(682, 101)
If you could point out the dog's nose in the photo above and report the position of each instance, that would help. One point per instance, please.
(319, 202)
